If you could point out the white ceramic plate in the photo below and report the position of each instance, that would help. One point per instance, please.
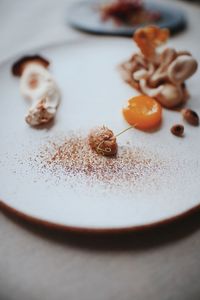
(93, 93)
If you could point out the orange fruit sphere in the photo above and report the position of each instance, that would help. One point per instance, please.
(143, 112)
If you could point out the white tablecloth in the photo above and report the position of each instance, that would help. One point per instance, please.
(38, 264)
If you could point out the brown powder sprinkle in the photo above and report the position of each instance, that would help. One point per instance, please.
(72, 157)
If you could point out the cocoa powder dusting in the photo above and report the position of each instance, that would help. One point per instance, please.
(72, 157)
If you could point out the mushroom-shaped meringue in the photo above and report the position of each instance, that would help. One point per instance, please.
(181, 68)
(167, 94)
(38, 86)
(20, 64)
(160, 73)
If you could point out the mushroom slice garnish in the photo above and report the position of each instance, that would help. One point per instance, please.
(38, 86)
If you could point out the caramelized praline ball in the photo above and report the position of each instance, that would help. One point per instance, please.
(103, 141)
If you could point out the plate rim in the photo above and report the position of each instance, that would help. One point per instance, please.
(4, 207)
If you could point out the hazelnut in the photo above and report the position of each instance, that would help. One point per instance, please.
(103, 141)
(190, 116)
(177, 130)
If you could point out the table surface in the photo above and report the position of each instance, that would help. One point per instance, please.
(37, 263)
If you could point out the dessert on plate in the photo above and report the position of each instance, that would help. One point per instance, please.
(159, 74)
(38, 86)
(103, 141)
(128, 12)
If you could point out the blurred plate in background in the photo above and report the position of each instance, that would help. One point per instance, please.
(86, 16)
